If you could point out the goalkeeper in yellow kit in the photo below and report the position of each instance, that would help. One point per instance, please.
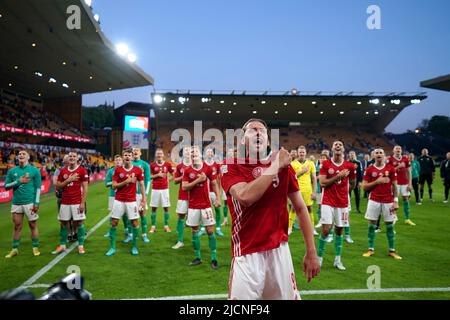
(305, 171)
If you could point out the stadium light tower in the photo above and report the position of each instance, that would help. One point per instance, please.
(157, 99)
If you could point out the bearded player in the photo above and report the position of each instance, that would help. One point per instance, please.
(336, 176)
(381, 180)
(257, 192)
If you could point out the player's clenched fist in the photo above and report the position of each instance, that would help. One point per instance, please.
(201, 177)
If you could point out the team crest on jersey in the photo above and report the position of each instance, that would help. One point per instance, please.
(257, 172)
(156, 169)
(191, 175)
(331, 171)
(374, 174)
(65, 176)
(386, 173)
(121, 175)
(224, 169)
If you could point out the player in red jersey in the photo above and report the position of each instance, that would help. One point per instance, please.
(215, 167)
(183, 196)
(336, 176)
(124, 182)
(404, 180)
(195, 181)
(381, 180)
(257, 193)
(73, 182)
(160, 170)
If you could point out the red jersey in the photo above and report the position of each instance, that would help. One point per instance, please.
(336, 195)
(215, 167)
(72, 192)
(263, 225)
(381, 193)
(401, 172)
(199, 195)
(128, 192)
(161, 183)
(182, 194)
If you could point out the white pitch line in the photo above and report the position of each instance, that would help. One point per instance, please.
(39, 286)
(307, 293)
(61, 256)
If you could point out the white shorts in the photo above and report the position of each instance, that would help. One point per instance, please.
(403, 190)
(198, 217)
(375, 209)
(349, 203)
(26, 209)
(160, 198)
(139, 199)
(120, 208)
(266, 275)
(337, 216)
(224, 195)
(69, 212)
(182, 206)
(319, 197)
(110, 203)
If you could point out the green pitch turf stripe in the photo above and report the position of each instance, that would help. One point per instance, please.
(61, 256)
(309, 292)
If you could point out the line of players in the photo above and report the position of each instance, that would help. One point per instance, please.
(129, 183)
(385, 179)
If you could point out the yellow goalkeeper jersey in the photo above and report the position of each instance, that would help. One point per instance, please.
(304, 181)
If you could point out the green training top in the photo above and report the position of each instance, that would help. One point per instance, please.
(415, 169)
(147, 175)
(24, 193)
(108, 182)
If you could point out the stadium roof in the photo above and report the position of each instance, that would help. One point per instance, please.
(373, 110)
(37, 46)
(439, 83)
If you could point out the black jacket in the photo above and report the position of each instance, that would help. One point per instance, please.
(445, 169)
(426, 165)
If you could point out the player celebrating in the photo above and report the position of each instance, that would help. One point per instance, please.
(160, 191)
(215, 167)
(381, 180)
(336, 176)
(257, 192)
(183, 196)
(138, 162)
(118, 161)
(404, 180)
(25, 181)
(73, 181)
(124, 182)
(305, 171)
(199, 212)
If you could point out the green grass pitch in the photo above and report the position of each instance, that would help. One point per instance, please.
(160, 271)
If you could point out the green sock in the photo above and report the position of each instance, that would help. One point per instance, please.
(338, 240)
(218, 217)
(391, 236)
(196, 244)
(212, 246)
(130, 227)
(135, 236)
(35, 242)
(347, 230)
(371, 235)
(166, 218)
(225, 209)
(81, 234)
(180, 229)
(15, 243)
(144, 224)
(125, 221)
(322, 244)
(63, 236)
(406, 209)
(153, 218)
(112, 237)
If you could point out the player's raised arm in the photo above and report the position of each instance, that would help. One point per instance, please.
(248, 193)
(311, 265)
